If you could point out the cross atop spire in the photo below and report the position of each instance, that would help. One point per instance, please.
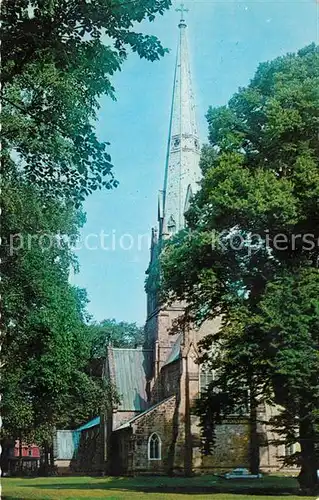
(182, 9)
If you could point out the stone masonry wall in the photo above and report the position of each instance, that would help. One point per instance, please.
(170, 379)
(159, 420)
(231, 449)
(121, 417)
(89, 458)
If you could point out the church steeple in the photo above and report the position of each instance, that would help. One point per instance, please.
(182, 172)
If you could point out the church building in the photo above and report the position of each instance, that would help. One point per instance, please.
(153, 429)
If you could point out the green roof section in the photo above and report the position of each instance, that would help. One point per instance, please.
(175, 352)
(130, 369)
(92, 423)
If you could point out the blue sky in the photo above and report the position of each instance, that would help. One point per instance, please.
(227, 41)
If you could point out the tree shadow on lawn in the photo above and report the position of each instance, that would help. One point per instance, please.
(150, 486)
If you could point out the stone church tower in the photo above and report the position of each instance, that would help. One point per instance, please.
(181, 180)
(152, 428)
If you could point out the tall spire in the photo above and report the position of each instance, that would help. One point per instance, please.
(182, 172)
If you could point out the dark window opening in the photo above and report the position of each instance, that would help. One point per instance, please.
(154, 447)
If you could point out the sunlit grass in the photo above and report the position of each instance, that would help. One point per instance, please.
(204, 487)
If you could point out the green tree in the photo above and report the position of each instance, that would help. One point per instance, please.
(289, 317)
(116, 334)
(251, 236)
(243, 381)
(58, 60)
(46, 350)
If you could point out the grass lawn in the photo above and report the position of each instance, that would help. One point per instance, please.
(156, 488)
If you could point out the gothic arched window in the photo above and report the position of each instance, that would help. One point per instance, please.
(206, 377)
(154, 447)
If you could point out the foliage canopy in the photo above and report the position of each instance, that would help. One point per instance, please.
(250, 251)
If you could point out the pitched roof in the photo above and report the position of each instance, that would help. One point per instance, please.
(175, 352)
(88, 425)
(128, 370)
(132, 420)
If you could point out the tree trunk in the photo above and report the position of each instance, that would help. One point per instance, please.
(254, 458)
(52, 458)
(308, 479)
(20, 452)
(46, 458)
(188, 458)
